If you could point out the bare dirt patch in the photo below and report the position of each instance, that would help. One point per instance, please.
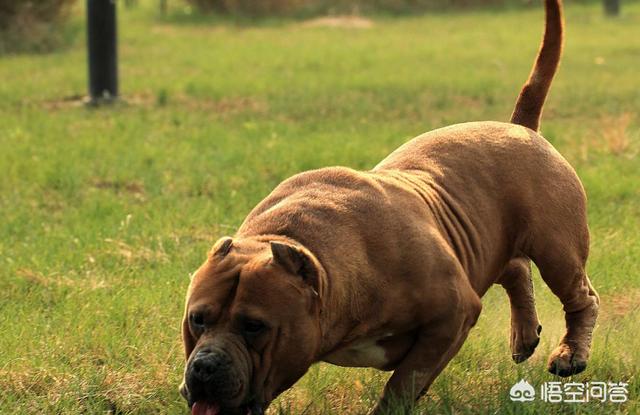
(136, 188)
(71, 101)
(224, 106)
(348, 22)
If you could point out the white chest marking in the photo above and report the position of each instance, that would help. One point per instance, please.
(362, 353)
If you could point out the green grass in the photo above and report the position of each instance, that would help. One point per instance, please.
(105, 212)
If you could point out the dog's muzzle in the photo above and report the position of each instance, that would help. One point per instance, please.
(217, 379)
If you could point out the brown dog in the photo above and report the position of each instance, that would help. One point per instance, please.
(386, 268)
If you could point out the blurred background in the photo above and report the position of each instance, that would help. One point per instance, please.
(43, 25)
(106, 209)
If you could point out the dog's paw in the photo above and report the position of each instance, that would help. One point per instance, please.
(565, 362)
(524, 343)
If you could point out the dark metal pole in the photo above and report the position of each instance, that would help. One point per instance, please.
(102, 47)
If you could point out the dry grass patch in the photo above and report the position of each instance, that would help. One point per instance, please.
(611, 134)
(619, 305)
(41, 382)
(88, 282)
(615, 131)
(135, 254)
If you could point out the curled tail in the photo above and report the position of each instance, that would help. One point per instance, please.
(531, 99)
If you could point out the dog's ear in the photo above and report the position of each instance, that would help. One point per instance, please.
(296, 261)
(187, 341)
(222, 247)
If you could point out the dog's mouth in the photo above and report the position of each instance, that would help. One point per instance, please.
(205, 404)
(205, 408)
(213, 408)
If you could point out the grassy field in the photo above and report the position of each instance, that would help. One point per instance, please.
(106, 212)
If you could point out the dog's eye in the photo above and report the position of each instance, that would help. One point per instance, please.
(252, 327)
(197, 321)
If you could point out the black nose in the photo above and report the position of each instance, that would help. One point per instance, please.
(206, 365)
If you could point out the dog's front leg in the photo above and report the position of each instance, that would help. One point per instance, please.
(437, 343)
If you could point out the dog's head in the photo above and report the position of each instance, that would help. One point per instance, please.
(251, 327)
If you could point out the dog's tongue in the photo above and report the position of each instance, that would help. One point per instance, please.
(205, 408)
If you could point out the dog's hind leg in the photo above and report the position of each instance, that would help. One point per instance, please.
(564, 273)
(525, 327)
(561, 257)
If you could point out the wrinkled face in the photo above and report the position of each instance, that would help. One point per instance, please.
(251, 326)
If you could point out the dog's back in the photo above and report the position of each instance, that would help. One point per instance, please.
(511, 184)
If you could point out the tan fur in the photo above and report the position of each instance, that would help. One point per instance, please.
(528, 109)
(341, 264)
